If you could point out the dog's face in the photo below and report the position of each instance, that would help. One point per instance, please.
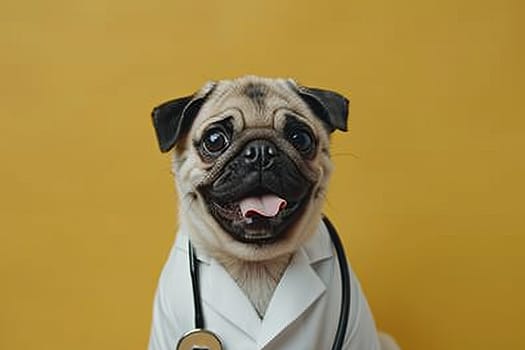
(251, 159)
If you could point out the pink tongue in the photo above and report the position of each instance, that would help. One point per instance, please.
(267, 205)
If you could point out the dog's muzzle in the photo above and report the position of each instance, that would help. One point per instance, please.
(258, 194)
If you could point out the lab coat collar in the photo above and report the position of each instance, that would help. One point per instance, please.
(299, 288)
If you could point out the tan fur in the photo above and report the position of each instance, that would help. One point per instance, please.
(257, 269)
(258, 279)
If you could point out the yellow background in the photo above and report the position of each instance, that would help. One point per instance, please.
(428, 190)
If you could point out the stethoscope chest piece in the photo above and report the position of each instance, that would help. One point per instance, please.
(199, 339)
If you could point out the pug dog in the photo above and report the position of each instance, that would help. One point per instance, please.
(251, 159)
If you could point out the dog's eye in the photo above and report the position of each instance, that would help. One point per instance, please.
(215, 141)
(302, 140)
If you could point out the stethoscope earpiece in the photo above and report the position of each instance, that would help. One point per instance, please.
(199, 339)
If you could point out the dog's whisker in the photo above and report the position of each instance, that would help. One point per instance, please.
(345, 154)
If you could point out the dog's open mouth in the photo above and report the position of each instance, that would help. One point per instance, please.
(257, 200)
(259, 217)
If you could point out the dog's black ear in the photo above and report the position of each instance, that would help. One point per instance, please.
(173, 118)
(329, 106)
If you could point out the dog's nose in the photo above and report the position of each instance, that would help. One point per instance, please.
(260, 152)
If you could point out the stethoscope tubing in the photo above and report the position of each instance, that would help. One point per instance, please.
(194, 272)
(345, 285)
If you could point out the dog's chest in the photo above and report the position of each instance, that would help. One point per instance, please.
(258, 280)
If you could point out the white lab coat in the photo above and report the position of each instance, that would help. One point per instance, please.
(303, 312)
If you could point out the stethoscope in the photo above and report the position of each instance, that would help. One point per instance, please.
(202, 339)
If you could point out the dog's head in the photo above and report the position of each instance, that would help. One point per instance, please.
(251, 159)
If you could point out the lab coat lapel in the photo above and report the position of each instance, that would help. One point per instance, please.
(221, 293)
(298, 289)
